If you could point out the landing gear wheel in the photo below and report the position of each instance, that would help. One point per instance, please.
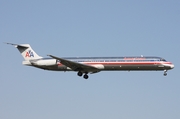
(165, 72)
(86, 76)
(79, 73)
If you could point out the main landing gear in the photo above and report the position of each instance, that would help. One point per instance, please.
(165, 72)
(85, 75)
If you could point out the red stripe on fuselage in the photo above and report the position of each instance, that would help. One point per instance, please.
(122, 63)
(126, 63)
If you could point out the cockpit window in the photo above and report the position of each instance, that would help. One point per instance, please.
(163, 60)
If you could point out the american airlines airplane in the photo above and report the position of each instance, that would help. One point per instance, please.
(85, 65)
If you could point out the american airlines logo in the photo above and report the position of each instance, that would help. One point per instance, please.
(29, 54)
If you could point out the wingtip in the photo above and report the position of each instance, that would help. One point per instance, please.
(6, 43)
(49, 55)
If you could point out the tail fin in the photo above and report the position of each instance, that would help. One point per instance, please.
(26, 51)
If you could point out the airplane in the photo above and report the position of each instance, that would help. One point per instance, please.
(89, 65)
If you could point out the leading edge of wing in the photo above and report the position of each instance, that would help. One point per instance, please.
(75, 65)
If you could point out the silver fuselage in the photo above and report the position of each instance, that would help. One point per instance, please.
(105, 63)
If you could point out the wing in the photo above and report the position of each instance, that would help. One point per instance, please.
(75, 66)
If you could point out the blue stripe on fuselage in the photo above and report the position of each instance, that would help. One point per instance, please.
(112, 59)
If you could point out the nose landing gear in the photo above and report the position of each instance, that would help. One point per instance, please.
(165, 72)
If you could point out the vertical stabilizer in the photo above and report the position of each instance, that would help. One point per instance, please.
(26, 51)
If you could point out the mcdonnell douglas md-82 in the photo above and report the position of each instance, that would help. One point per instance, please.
(85, 65)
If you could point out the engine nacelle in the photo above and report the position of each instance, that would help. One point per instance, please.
(49, 62)
(99, 66)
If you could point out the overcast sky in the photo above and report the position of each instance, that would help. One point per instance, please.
(89, 28)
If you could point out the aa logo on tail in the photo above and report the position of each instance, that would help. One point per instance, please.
(29, 54)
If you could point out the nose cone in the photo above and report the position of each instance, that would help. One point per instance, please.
(172, 66)
(169, 65)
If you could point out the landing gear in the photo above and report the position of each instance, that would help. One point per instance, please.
(79, 73)
(85, 75)
(165, 72)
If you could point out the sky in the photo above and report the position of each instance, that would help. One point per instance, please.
(89, 28)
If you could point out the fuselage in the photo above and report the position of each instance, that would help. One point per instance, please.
(106, 63)
(85, 65)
